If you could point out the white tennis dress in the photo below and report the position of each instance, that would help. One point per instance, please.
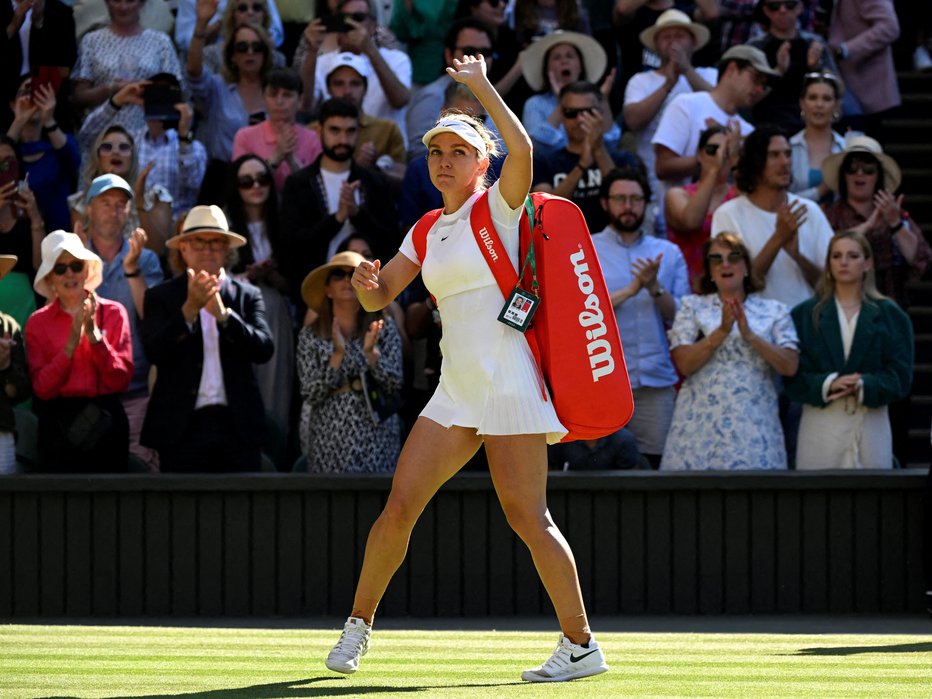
(488, 377)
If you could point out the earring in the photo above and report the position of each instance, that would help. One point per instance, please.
(836, 116)
(802, 114)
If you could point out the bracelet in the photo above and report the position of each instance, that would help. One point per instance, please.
(895, 228)
(132, 275)
(50, 129)
(114, 104)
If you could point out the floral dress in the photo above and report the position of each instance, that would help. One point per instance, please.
(342, 436)
(726, 414)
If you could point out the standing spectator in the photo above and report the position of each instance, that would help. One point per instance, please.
(787, 236)
(553, 62)
(252, 207)
(50, 157)
(204, 330)
(689, 209)
(14, 375)
(239, 12)
(421, 25)
(122, 52)
(93, 14)
(80, 360)
(178, 160)
(505, 71)
(342, 354)
(743, 78)
(328, 200)
(861, 33)
(128, 270)
(21, 232)
(646, 276)
(793, 53)
(674, 38)
(186, 21)
(280, 139)
(857, 358)
(537, 18)
(729, 342)
(576, 171)
(820, 107)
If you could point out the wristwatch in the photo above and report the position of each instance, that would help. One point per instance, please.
(187, 138)
(660, 291)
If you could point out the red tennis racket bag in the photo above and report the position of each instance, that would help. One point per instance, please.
(573, 334)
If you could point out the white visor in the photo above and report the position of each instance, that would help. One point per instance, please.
(461, 129)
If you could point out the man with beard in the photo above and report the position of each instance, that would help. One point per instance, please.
(334, 196)
(646, 276)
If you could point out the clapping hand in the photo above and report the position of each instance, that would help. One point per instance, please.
(789, 219)
(137, 241)
(737, 309)
(369, 346)
(90, 319)
(890, 207)
(339, 342)
(347, 208)
(728, 317)
(645, 270)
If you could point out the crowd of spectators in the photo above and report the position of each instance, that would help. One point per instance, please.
(186, 184)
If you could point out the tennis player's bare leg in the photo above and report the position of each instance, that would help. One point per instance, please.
(431, 455)
(518, 464)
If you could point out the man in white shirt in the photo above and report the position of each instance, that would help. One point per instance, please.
(787, 236)
(674, 38)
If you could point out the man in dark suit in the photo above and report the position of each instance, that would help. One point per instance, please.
(203, 331)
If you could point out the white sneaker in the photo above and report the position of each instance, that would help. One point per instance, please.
(921, 59)
(569, 661)
(353, 644)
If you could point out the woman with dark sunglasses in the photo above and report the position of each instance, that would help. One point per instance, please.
(252, 208)
(80, 358)
(240, 12)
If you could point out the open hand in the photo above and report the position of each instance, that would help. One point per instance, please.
(369, 347)
(470, 71)
(789, 219)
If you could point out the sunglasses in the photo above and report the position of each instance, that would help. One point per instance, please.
(711, 148)
(339, 275)
(633, 199)
(573, 113)
(249, 181)
(119, 147)
(865, 168)
(788, 5)
(811, 77)
(255, 7)
(76, 266)
(201, 244)
(475, 50)
(247, 46)
(716, 258)
(356, 16)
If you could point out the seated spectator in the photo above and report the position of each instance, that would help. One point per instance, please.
(178, 160)
(618, 450)
(187, 29)
(575, 171)
(280, 139)
(114, 153)
(239, 12)
(674, 38)
(793, 53)
(866, 180)
(252, 207)
(80, 360)
(729, 342)
(333, 197)
(346, 353)
(379, 142)
(820, 107)
(21, 234)
(646, 276)
(856, 358)
(121, 52)
(204, 331)
(15, 377)
(549, 65)
(50, 157)
(128, 270)
(689, 208)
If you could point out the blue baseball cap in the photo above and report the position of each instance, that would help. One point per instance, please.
(105, 183)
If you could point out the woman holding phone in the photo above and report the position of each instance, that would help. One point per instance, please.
(489, 391)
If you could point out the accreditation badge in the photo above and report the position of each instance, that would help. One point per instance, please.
(519, 308)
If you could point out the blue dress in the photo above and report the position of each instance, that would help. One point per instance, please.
(726, 414)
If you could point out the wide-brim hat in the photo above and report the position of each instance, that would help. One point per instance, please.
(56, 243)
(674, 18)
(313, 289)
(831, 166)
(206, 220)
(7, 262)
(593, 55)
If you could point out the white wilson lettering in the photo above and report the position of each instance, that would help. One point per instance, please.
(487, 241)
(600, 350)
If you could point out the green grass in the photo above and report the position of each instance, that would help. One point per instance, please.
(223, 663)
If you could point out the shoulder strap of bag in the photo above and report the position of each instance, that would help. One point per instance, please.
(421, 229)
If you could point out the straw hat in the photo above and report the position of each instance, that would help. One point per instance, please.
(593, 55)
(206, 220)
(312, 289)
(53, 245)
(674, 18)
(7, 262)
(831, 166)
